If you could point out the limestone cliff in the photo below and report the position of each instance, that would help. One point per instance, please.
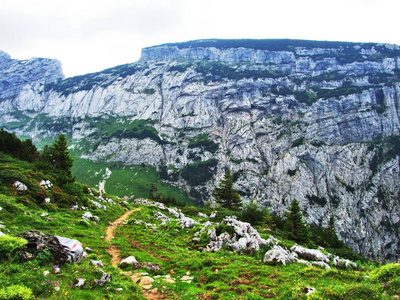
(315, 121)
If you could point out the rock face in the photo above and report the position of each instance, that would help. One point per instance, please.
(315, 121)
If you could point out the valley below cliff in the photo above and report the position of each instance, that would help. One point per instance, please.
(306, 120)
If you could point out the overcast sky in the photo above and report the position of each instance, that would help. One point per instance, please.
(89, 36)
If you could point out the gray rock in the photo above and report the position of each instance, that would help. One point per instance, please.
(309, 254)
(284, 120)
(20, 186)
(87, 215)
(278, 254)
(129, 261)
(162, 217)
(321, 264)
(104, 279)
(346, 264)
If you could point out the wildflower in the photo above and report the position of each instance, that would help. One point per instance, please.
(56, 269)
(383, 284)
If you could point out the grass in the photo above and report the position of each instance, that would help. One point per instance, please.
(22, 211)
(125, 180)
(229, 275)
(219, 275)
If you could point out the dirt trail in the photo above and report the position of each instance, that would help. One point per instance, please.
(114, 252)
(110, 233)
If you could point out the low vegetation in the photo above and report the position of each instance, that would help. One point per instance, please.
(194, 273)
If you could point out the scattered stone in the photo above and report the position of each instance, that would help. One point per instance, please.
(1, 208)
(145, 281)
(186, 222)
(162, 217)
(245, 237)
(47, 200)
(213, 215)
(309, 254)
(20, 186)
(128, 261)
(187, 279)
(102, 281)
(278, 254)
(148, 265)
(345, 264)
(201, 215)
(119, 289)
(321, 264)
(87, 249)
(136, 277)
(169, 280)
(304, 262)
(98, 263)
(87, 215)
(207, 224)
(81, 282)
(45, 273)
(1, 233)
(98, 205)
(173, 212)
(44, 214)
(46, 184)
(308, 290)
(272, 241)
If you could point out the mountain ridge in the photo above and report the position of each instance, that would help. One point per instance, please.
(314, 124)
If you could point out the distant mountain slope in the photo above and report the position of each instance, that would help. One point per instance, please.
(315, 121)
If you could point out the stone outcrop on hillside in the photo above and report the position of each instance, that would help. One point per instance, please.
(315, 121)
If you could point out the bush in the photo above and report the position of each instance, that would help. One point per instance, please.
(74, 189)
(361, 292)
(253, 214)
(16, 292)
(9, 244)
(386, 272)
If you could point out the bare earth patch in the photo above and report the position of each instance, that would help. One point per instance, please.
(114, 252)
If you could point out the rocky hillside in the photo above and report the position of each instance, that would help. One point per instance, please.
(315, 121)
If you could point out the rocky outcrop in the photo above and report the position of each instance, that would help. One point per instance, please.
(315, 121)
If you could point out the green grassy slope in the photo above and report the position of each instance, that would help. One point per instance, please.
(22, 211)
(125, 180)
(230, 275)
(220, 275)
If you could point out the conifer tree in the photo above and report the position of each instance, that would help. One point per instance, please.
(295, 224)
(61, 162)
(331, 234)
(226, 195)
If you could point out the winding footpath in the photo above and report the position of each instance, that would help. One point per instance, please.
(114, 251)
(110, 233)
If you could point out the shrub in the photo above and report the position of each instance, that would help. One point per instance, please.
(9, 244)
(386, 272)
(74, 189)
(253, 214)
(16, 292)
(361, 292)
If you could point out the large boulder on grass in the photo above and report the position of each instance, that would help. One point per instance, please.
(280, 255)
(309, 254)
(39, 242)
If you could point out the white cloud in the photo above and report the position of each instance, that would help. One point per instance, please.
(88, 36)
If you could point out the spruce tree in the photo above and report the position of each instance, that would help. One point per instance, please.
(61, 162)
(295, 224)
(226, 195)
